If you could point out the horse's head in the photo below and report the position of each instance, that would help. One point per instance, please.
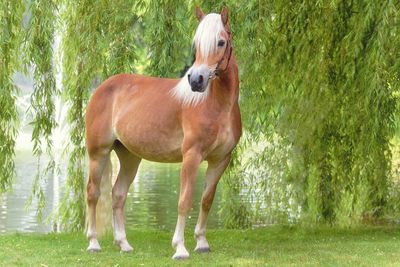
(213, 46)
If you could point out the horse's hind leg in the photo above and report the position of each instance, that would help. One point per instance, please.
(129, 164)
(97, 164)
(213, 174)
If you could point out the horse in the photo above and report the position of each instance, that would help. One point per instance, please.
(192, 119)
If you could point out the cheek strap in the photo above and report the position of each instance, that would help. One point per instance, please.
(216, 72)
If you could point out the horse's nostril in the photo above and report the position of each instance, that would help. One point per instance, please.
(201, 79)
(189, 78)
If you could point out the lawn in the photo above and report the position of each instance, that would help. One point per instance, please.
(272, 246)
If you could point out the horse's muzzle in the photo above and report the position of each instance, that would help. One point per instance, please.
(197, 83)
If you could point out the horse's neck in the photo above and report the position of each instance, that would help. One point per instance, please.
(225, 88)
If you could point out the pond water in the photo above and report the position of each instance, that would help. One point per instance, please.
(152, 198)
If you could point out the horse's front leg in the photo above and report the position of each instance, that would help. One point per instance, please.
(213, 174)
(190, 166)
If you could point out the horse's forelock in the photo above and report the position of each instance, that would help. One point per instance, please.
(207, 34)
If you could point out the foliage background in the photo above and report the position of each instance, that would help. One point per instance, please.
(319, 97)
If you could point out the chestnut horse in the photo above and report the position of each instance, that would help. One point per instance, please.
(186, 120)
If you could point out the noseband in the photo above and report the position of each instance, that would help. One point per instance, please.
(217, 71)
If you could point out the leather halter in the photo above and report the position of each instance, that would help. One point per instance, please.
(217, 71)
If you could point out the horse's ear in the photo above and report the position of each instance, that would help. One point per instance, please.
(224, 15)
(199, 13)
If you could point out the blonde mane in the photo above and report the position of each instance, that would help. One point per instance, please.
(207, 34)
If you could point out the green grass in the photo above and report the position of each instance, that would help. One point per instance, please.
(273, 246)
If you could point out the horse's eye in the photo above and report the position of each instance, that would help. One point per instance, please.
(221, 43)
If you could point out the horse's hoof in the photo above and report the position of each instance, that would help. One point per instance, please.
(181, 252)
(94, 246)
(202, 250)
(127, 249)
(93, 250)
(180, 257)
(124, 246)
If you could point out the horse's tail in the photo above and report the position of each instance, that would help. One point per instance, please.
(104, 204)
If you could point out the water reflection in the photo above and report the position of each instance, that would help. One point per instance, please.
(13, 216)
(152, 199)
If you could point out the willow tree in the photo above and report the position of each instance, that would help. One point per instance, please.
(319, 83)
(319, 87)
(168, 31)
(38, 52)
(10, 42)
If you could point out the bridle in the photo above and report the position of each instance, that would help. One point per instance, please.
(217, 71)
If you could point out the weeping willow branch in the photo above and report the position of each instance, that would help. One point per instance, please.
(121, 31)
(81, 62)
(323, 79)
(10, 37)
(168, 36)
(39, 54)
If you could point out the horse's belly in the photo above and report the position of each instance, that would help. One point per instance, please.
(153, 145)
(156, 152)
